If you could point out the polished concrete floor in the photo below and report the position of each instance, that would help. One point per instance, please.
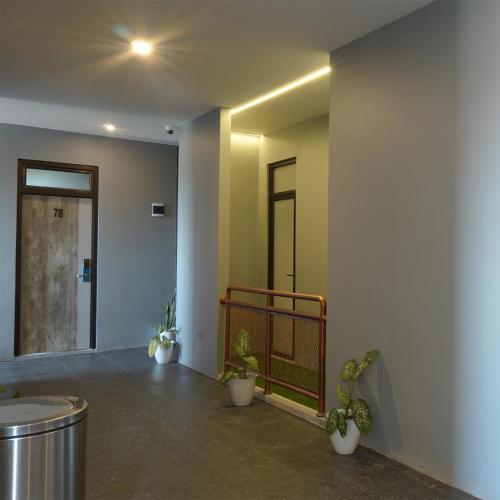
(167, 432)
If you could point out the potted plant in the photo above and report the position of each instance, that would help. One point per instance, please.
(16, 395)
(241, 383)
(345, 425)
(161, 345)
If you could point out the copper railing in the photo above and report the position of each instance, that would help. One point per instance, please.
(291, 342)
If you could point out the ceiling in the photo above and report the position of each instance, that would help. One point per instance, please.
(208, 53)
(295, 106)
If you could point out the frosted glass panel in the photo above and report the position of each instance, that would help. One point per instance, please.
(284, 178)
(284, 227)
(57, 179)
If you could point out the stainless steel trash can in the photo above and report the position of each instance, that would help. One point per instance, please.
(43, 448)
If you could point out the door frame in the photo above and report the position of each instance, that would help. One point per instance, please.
(92, 194)
(273, 197)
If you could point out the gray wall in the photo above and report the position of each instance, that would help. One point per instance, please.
(136, 254)
(414, 246)
(203, 238)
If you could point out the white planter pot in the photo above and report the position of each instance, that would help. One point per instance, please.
(242, 390)
(171, 334)
(346, 445)
(163, 355)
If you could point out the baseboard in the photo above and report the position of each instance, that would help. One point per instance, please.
(296, 409)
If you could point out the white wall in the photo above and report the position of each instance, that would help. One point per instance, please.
(414, 247)
(203, 238)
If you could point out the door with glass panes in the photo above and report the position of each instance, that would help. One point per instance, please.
(56, 255)
(282, 249)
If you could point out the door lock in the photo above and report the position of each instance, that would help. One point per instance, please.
(85, 275)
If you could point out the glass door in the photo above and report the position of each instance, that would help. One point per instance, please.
(56, 252)
(281, 261)
(282, 210)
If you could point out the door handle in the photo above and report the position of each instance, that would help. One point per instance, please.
(291, 275)
(85, 275)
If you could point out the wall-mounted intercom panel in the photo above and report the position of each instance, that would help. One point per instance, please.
(157, 209)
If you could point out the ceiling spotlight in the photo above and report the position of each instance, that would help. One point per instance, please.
(109, 127)
(142, 47)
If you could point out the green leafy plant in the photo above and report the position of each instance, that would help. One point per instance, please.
(170, 317)
(156, 341)
(16, 394)
(355, 409)
(249, 362)
(161, 328)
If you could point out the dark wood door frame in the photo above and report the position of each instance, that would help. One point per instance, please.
(273, 197)
(92, 194)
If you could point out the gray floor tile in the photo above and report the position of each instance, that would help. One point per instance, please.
(167, 432)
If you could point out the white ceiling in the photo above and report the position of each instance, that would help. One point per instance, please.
(208, 53)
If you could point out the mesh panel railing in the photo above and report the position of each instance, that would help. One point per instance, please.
(288, 343)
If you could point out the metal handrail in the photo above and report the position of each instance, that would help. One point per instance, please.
(272, 311)
(264, 291)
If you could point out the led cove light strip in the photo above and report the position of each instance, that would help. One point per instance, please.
(248, 134)
(281, 90)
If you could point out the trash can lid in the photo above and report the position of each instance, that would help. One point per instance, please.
(26, 416)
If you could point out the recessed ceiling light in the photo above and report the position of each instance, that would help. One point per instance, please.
(285, 88)
(109, 127)
(141, 47)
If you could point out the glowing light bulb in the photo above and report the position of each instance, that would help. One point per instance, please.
(141, 47)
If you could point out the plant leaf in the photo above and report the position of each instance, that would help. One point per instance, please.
(332, 420)
(342, 395)
(361, 415)
(17, 394)
(173, 313)
(348, 371)
(342, 423)
(153, 345)
(227, 376)
(252, 363)
(166, 343)
(242, 345)
(367, 360)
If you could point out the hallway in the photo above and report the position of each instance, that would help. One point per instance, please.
(159, 432)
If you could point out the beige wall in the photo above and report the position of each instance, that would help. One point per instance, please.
(244, 209)
(250, 156)
(308, 142)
